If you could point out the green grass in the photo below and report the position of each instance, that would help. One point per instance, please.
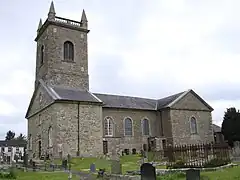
(224, 174)
(129, 162)
(44, 176)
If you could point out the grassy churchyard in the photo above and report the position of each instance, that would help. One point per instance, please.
(129, 162)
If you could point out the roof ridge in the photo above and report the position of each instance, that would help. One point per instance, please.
(126, 96)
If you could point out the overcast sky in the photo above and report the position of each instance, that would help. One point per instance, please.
(136, 47)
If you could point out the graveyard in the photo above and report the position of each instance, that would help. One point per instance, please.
(209, 161)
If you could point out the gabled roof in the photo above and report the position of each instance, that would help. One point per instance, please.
(183, 94)
(164, 102)
(128, 102)
(114, 101)
(58, 93)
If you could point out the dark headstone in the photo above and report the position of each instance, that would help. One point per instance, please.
(193, 174)
(126, 151)
(116, 167)
(34, 165)
(92, 168)
(134, 151)
(64, 164)
(148, 172)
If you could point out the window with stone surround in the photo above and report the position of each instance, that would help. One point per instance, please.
(30, 142)
(128, 127)
(108, 126)
(193, 125)
(145, 127)
(50, 136)
(42, 55)
(68, 51)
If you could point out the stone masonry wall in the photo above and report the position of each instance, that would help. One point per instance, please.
(55, 70)
(90, 128)
(38, 126)
(40, 120)
(137, 140)
(41, 100)
(180, 118)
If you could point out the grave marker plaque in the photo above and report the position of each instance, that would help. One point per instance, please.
(193, 174)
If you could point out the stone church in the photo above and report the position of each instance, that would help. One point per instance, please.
(65, 117)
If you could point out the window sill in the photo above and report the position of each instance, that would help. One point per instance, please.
(69, 61)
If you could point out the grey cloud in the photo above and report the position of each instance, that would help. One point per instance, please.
(221, 91)
(104, 78)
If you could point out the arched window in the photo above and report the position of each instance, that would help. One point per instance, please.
(30, 142)
(41, 54)
(145, 127)
(193, 125)
(108, 126)
(50, 136)
(68, 51)
(128, 127)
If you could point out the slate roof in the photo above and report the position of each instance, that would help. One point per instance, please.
(216, 128)
(167, 100)
(109, 100)
(117, 101)
(19, 143)
(74, 95)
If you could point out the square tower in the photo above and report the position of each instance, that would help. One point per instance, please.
(62, 52)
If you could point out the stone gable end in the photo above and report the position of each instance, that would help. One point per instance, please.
(40, 100)
(190, 102)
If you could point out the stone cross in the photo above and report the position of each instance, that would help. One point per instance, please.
(148, 172)
(193, 174)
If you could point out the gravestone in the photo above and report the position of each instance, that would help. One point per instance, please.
(134, 151)
(148, 172)
(116, 167)
(92, 168)
(64, 164)
(193, 174)
(236, 151)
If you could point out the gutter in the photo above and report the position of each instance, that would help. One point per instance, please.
(161, 120)
(78, 123)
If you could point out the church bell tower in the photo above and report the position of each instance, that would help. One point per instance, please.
(62, 52)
